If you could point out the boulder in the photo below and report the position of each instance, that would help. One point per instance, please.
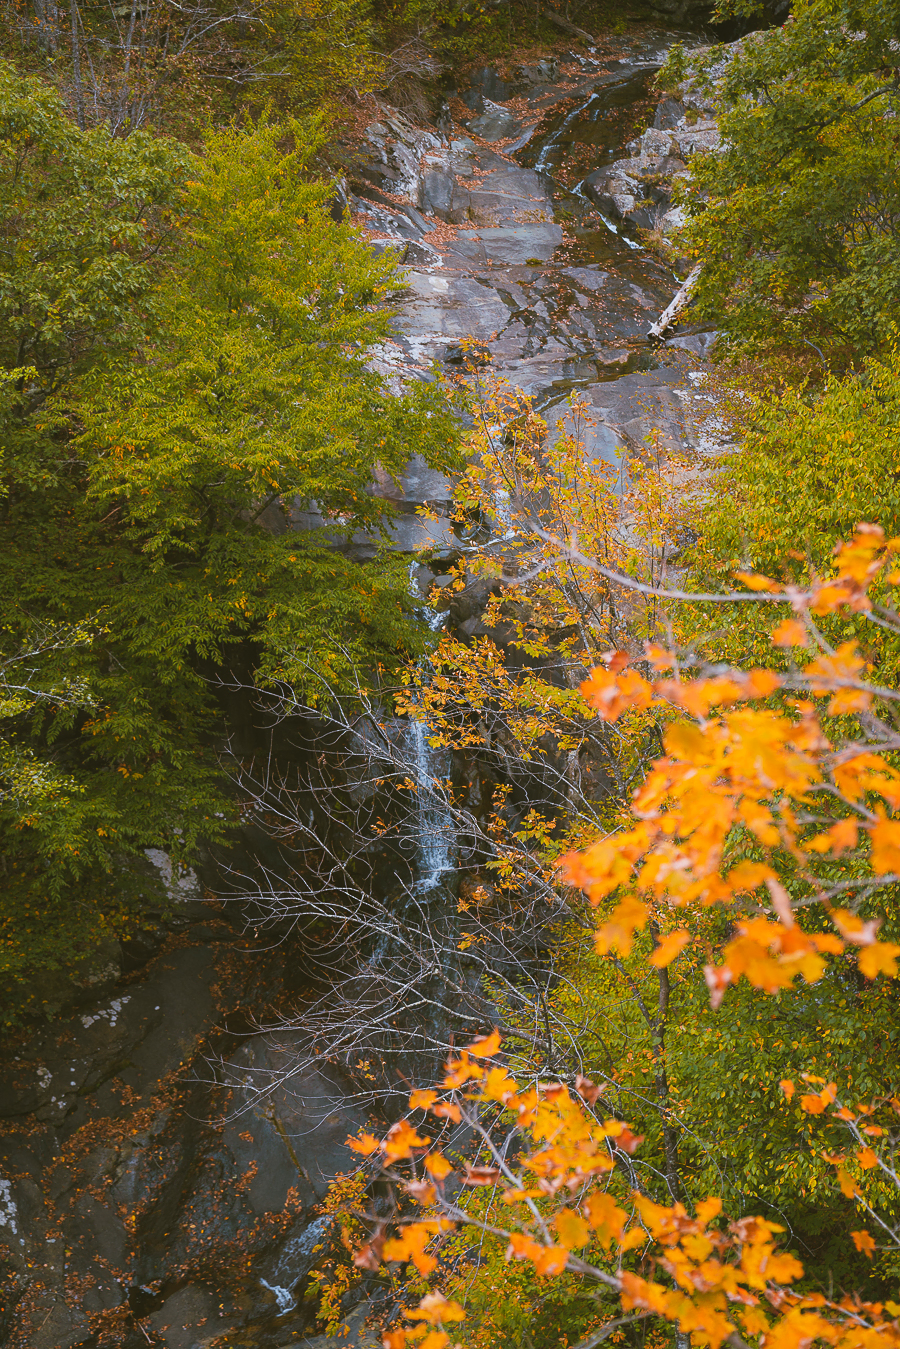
(494, 124)
(683, 11)
(668, 114)
(542, 72)
(510, 244)
(485, 85)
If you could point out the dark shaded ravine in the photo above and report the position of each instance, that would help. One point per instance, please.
(143, 1200)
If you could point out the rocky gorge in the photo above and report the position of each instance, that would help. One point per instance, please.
(169, 1137)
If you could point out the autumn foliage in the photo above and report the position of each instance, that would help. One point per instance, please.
(775, 802)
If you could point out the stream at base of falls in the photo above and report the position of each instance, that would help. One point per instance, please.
(135, 1207)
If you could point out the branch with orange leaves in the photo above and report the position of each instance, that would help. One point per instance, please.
(737, 766)
(873, 1130)
(722, 1283)
(859, 562)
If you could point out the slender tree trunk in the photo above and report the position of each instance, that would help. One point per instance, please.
(76, 65)
(124, 98)
(661, 1083)
(47, 17)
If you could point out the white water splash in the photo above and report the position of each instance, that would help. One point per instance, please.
(283, 1296)
(295, 1260)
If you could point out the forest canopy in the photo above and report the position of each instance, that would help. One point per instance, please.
(184, 351)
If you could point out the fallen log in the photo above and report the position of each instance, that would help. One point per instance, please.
(681, 301)
(568, 27)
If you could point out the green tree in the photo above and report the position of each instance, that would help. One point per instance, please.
(812, 463)
(178, 412)
(796, 216)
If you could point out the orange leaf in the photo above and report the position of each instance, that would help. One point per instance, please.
(461, 1070)
(790, 633)
(628, 916)
(366, 1144)
(434, 1308)
(435, 1339)
(571, 1228)
(717, 977)
(612, 694)
(670, 947)
(447, 1110)
(787, 1087)
(753, 581)
(486, 1047)
(401, 1138)
(707, 1209)
(864, 1241)
(885, 836)
(628, 1141)
(498, 1086)
(422, 1191)
(848, 1185)
(853, 928)
(436, 1165)
(605, 1217)
(550, 1259)
(410, 1245)
(421, 1100)
(481, 1175)
(867, 1158)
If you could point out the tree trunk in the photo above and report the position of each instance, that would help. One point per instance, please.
(76, 66)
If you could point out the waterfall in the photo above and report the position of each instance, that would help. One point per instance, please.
(433, 829)
(296, 1259)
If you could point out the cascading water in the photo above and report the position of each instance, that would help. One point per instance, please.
(296, 1259)
(433, 830)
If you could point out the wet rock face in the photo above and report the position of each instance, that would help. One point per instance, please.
(143, 1197)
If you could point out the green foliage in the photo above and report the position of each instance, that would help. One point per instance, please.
(83, 220)
(197, 379)
(314, 48)
(795, 216)
(811, 465)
